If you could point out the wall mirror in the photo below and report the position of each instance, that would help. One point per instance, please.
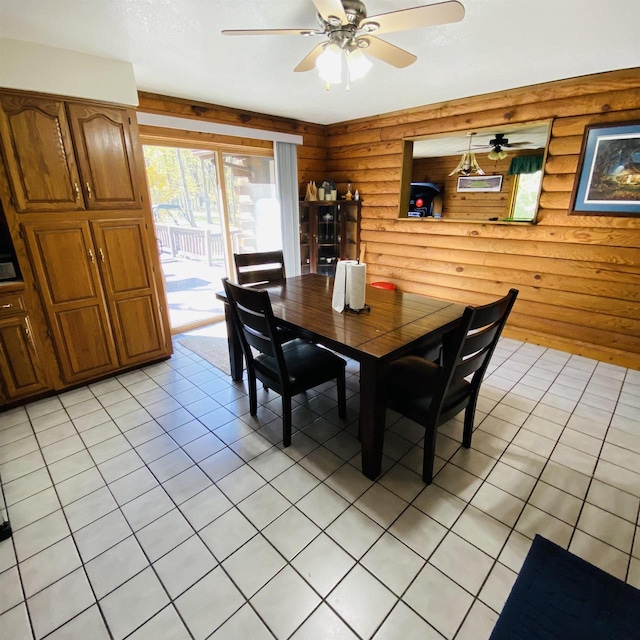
(440, 178)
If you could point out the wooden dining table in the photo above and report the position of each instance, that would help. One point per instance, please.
(396, 324)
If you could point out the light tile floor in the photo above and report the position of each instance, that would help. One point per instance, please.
(152, 506)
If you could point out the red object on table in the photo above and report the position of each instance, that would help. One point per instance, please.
(384, 285)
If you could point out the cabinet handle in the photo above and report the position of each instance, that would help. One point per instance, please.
(91, 256)
(101, 254)
(27, 333)
(77, 188)
(89, 191)
(6, 306)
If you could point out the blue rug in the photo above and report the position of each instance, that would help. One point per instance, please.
(559, 596)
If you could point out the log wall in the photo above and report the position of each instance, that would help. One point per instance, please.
(312, 154)
(578, 276)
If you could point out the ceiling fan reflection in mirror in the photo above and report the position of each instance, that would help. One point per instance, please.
(349, 32)
(498, 146)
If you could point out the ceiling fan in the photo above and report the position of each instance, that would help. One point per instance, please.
(498, 145)
(348, 31)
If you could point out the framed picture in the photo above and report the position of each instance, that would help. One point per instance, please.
(479, 183)
(608, 177)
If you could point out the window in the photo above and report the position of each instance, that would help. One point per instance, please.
(525, 196)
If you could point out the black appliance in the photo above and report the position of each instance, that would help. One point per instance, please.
(424, 199)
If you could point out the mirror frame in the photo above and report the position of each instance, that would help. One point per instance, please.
(406, 172)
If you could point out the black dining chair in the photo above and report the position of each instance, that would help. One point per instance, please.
(431, 393)
(287, 368)
(254, 268)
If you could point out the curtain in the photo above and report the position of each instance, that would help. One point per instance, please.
(525, 164)
(286, 161)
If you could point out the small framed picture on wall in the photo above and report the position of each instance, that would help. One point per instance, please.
(479, 183)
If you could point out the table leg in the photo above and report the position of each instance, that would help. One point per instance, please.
(235, 350)
(372, 417)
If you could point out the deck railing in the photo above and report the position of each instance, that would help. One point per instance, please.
(197, 244)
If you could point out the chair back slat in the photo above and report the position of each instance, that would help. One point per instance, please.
(479, 340)
(265, 266)
(256, 330)
(492, 312)
(471, 364)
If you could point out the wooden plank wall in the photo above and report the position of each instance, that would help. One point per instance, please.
(578, 276)
(312, 154)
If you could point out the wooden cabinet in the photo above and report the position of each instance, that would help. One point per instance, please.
(102, 138)
(98, 293)
(38, 154)
(329, 231)
(134, 305)
(21, 371)
(71, 187)
(67, 156)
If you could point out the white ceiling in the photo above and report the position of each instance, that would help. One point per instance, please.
(529, 136)
(176, 48)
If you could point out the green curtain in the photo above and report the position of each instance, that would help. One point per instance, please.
(525, 164)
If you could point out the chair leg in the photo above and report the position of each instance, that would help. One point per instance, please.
(342, 393)
(253, 396)
(469, 415)
(286, 420)
(429, 454)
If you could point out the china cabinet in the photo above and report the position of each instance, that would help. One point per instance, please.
(329, 231)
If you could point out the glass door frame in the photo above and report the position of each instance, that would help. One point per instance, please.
(182, 140)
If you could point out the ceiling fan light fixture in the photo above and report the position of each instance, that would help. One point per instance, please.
(329, 64)
(468, 164)
(369, 27)
(497, 154)
(358, 64)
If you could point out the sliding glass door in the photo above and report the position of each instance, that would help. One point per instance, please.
(207, 204)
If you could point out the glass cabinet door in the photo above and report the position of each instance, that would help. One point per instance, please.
(350, 213)
(329, 231)
(328, 238)
(306, 238)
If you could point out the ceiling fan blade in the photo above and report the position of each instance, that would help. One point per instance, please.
(309, 61)
(272, 32)
(427, 16)
(388, 53)
(329, 8)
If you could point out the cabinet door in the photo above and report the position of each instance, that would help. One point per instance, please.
(39, 155)
(130, 289)
(19, 362)
(306, 238)
(65, 261)
(328, 238)
(105, 156)
(350, 220)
